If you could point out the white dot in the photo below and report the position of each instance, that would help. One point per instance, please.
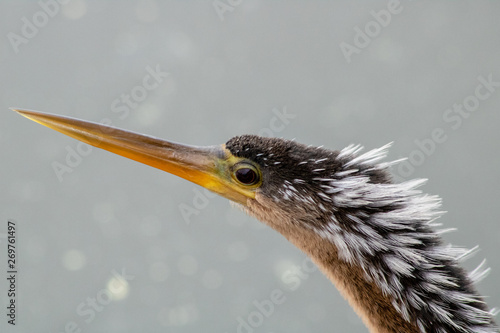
(187, 265)
(148, 114)
(28, 190)
(178, 316)
(181, 315)
(74, 260)
(158, 271)
(285, 268)
(118, 287)
(75, 9)
(180, 44)
(387, 50)
(211, 279)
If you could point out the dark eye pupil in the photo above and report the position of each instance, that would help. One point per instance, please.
(246, 176)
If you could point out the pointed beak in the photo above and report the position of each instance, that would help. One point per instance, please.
(205, 166)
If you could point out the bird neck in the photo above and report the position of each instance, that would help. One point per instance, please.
(366, 298)
(402, 282)
(369, 302)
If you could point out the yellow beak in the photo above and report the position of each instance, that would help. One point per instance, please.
(205, 166)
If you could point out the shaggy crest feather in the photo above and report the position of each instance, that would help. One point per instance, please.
(392, 239)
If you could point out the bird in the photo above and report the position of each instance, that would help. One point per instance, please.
(377, 241)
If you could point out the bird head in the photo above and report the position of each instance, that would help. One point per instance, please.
(290, 181)
(272, 179)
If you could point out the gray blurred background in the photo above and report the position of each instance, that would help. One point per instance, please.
(110, 245)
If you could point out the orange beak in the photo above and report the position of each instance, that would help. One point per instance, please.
(205, 166)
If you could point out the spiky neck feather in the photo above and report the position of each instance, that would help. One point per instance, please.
(374, 239)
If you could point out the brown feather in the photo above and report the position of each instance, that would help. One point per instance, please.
(370, 304)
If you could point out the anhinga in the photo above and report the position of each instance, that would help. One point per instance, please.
(374, 239)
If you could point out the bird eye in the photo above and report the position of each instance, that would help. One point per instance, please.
(246, 175)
